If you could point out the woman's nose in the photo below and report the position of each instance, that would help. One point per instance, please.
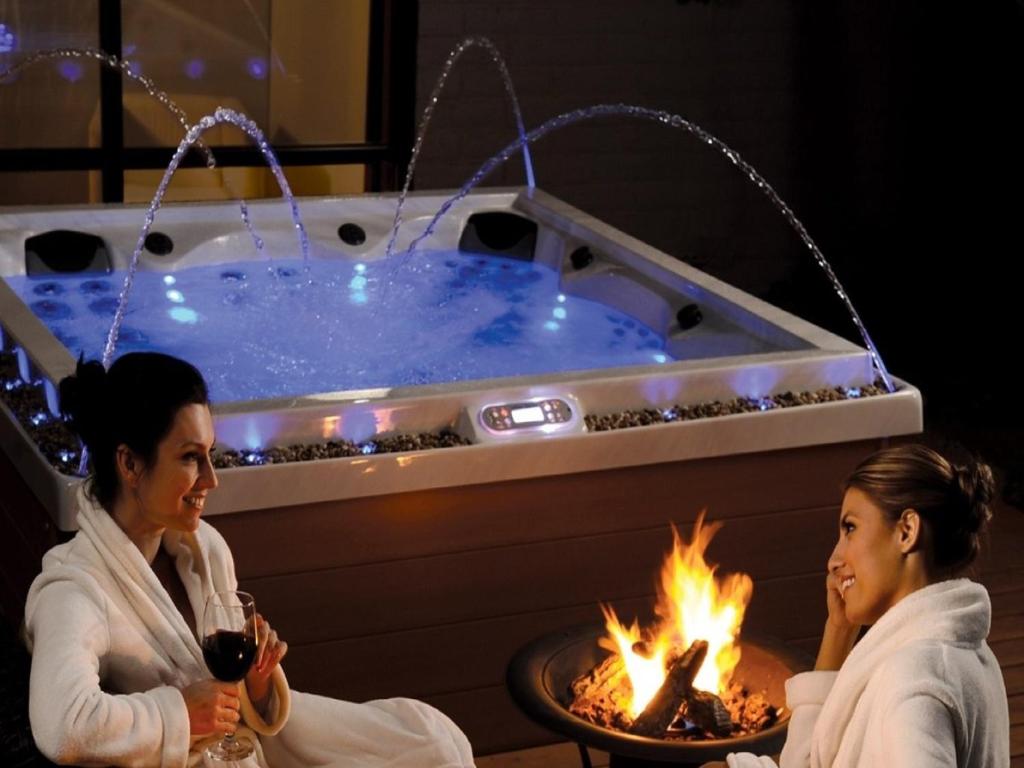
(835, 560)
(207, 475)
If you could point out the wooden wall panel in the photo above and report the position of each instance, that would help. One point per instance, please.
(27, 534)
(442, 589)
(492, 721)
(383, 528)
(466, 655)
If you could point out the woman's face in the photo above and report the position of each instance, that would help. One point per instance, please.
(868, 562)
(172, 490)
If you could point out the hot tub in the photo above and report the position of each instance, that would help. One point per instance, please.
(420, 572)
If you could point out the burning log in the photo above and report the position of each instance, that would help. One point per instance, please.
(659, 714)
(602, 694)
(751, 712)
(708, 713)
(693, 602)
(601, 697)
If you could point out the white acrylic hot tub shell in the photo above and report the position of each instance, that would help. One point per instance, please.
(637, 278)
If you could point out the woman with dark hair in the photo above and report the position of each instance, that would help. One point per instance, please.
(118, 676)
(921, 687)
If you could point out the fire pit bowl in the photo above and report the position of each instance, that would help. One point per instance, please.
(539, 676)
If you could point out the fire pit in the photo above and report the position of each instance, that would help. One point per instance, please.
(683, 689)
(541, 673)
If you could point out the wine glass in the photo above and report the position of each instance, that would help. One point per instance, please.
(229, 648)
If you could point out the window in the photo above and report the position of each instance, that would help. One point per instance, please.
(329, 83)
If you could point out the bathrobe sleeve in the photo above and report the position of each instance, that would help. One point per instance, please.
(918, 731)
(805, 695)
(73, 720)
(749, 760)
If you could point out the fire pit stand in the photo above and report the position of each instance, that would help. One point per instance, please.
(539, 676)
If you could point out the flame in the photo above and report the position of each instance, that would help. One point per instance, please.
(693, 604)
(646, 672)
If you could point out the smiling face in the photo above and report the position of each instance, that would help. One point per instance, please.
(171, 491)
(869, 559)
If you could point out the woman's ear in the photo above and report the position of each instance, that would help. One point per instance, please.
(129, 466)
(908, 528)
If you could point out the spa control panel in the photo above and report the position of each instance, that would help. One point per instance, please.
(502, 419)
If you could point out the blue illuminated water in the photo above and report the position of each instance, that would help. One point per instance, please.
(255, 334)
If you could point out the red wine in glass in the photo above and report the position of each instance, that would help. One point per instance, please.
(229, 654)
(229, 648)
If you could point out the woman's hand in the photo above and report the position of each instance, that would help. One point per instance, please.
(840, 633)
(212, 707)
(269, 653)
(837, 606)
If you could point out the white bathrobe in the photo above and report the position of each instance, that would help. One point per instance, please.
(111, 653)
(920, 689)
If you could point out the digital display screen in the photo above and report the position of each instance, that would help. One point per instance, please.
(532, 415)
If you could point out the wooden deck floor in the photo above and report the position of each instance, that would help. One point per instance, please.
(1001, 570)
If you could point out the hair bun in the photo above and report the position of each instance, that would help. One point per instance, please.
(83, 399)
(977, 487)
